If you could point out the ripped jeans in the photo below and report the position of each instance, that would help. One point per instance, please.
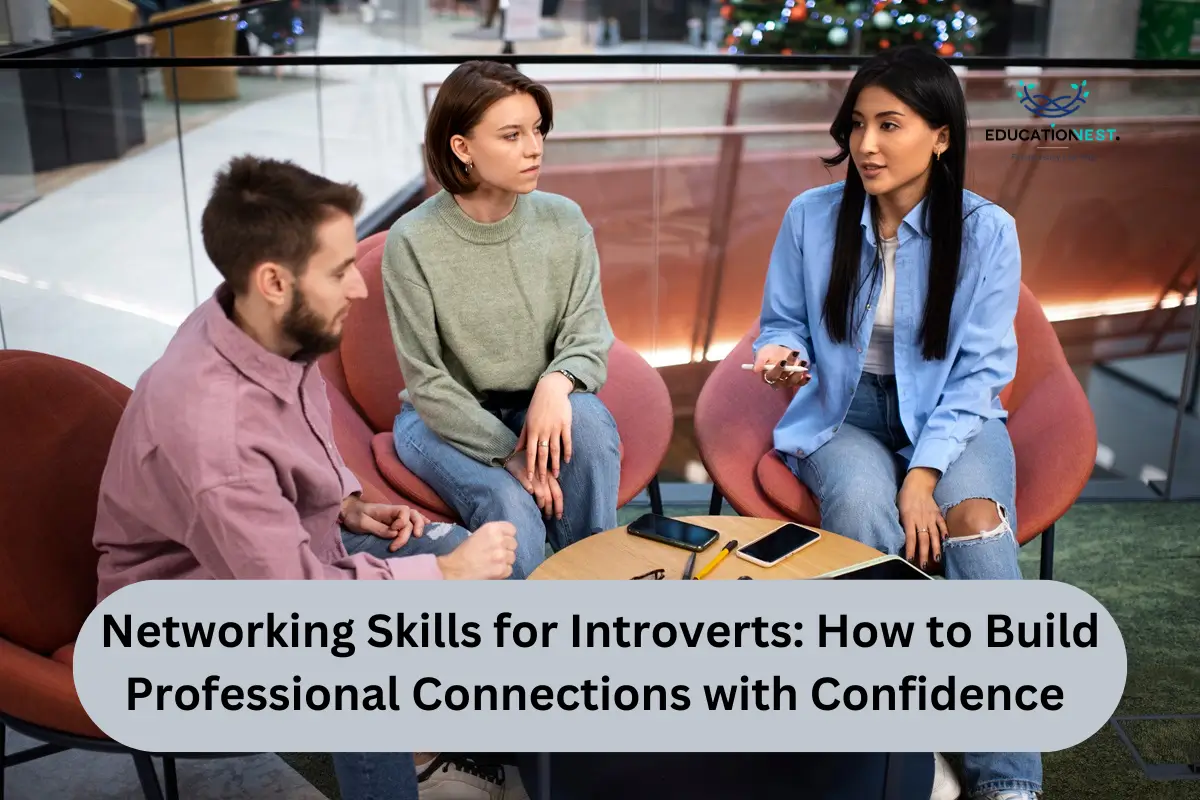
(856, 476)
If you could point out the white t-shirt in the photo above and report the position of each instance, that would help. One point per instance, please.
(881, 354)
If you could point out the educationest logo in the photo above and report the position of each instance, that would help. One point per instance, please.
(1052, 109)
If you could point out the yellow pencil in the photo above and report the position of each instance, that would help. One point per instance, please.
(710, 566)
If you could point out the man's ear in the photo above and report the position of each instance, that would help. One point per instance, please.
(272, 281)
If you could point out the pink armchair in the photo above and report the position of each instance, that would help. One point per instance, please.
(364, 382)
(1051, 425)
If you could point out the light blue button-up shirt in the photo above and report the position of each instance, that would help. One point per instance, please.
(942, 403)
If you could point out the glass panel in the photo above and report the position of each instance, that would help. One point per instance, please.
(1185, 466)
(490, 27)
(605, 154)
(683, 170)
(94, 255)
(226, 111)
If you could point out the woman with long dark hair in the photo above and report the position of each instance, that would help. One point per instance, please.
(897, 289)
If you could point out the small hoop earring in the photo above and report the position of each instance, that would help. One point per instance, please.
(938, 155)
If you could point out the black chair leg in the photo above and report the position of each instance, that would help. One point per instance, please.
(656, 504)
(1047, 573)
(716, 503)
(3, 760)
(170, 779)
(147, 776)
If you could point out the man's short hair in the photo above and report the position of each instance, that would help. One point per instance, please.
(462, 100)
(265, 210)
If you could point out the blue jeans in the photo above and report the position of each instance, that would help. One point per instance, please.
(389, 776)
(438, 538)
(856, 477)
(376, 776)
(480, 493)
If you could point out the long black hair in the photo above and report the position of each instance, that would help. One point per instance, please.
(925, 83)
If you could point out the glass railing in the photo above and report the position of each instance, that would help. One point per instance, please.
(683, 162)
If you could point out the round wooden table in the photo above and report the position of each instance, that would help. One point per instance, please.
(618, 554)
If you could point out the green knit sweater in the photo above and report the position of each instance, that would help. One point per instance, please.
(477, 308)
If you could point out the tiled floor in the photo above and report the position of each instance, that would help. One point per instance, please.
(79, 775)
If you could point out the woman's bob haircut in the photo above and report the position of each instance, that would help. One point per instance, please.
(462, 100)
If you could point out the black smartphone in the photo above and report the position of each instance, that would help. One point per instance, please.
(885, 568)
(673, 532)
(786, 540)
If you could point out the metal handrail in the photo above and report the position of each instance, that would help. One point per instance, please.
(781, 129)
(831, 75)
(652, 59)
(979, 76)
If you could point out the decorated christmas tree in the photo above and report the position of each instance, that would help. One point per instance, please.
(950, 27)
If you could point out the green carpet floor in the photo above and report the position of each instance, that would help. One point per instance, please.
(1142, 561)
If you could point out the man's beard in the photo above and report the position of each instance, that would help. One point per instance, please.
(302, 325)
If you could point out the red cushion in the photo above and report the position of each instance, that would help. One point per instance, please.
(369, 353)
(60, 417)
(785, 490)
(41, 690)
(401, 477)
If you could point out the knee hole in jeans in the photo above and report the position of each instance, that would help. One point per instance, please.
(976, 518)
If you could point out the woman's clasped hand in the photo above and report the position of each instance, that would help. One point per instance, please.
(545, 444)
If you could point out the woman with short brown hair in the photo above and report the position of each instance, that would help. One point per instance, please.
(493, 293)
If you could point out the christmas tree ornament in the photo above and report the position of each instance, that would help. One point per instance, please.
(951, 27)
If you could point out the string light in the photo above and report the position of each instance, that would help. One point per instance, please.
(950, 28)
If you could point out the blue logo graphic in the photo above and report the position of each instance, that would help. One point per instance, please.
(1051, 107)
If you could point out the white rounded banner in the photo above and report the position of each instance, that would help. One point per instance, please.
(595, 666)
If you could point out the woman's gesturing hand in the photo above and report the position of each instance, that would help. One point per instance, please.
(771, 360)
(546, 436)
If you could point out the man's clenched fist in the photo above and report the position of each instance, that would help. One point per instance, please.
(488, 554)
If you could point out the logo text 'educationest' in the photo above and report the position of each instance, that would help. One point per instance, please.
(1051, 134)
(1048, 107)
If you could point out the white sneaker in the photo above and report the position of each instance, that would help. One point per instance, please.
(1011, 794)
(458, 777)
(945, 782)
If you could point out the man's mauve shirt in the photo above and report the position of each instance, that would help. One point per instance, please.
(224, 466)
